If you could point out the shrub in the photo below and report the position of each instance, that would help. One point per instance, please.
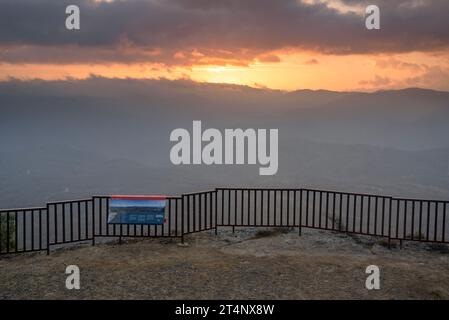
(4, 233)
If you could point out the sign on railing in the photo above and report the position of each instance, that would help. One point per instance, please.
(147, 210)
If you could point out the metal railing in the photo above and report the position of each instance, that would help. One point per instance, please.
(59, 223)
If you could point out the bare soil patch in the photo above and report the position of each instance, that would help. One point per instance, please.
(244, 265)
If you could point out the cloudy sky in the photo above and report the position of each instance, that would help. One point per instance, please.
(279, 44)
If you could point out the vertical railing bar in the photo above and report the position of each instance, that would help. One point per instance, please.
(93, 221)
(63, 222)
(244, 201)
(216, 210)
(121, 228)
(169, 215)
(347, 212)
(182, 219)
(222, 206)
(172, 217)
(362, 200)
(24, 229)
(327, 209)
(435, 222)
(194, 211)
(55, 213)
(199, 208)
(300, 212)
(376, 204)
(48, 228)
(40, 229)
(229, 207)
(354, 213)
(210, 209)
(282, 207)
(206, 210)
(275, 207)
(86, 220)
(79, 219)
(16, 223)
(334, 196)
(268, 207)
(428, 221)
(100, 220)
(307, 208)
(389, 218)
(340, 211)
(262, 206)
(320, 211)
(249, 207)
(383, 215)
(397, 218)
(294, 207)
(106, 212)
(176, 215)
(32, 229)
(390, 208)
(288, 207)
(187, 213)
(255, 207)
(7, 232)
(202, 209)
(444, 221)
(313, 208)
(1, 234)
(235, 207)
(71, 220)
(420, 220)
(413, 220)
(404, 232)
(368, 216)
(16, 228)
(241, 207)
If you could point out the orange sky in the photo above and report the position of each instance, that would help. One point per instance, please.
(293, 71)
(259, 55)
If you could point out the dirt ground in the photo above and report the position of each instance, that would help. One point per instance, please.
(249, 264)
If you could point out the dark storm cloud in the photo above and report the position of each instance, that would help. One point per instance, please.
(155, 30)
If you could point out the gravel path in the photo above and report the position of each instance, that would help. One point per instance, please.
(250, 264)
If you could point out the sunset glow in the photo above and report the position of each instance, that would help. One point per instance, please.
(302, 53)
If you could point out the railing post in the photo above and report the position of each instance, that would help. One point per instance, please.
(300, 212)
(48, 229)
(182, 219)
(93, 221)
(216, 212)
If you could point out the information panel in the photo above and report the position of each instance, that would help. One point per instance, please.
(136, 210)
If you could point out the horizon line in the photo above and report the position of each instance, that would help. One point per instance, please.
(217, 84)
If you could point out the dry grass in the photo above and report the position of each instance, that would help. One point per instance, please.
(281, 266)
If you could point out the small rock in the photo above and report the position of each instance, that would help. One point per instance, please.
(185, 244)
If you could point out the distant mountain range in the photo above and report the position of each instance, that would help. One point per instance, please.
(65, 139)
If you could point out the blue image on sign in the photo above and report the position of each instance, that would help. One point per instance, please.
(128, 210)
